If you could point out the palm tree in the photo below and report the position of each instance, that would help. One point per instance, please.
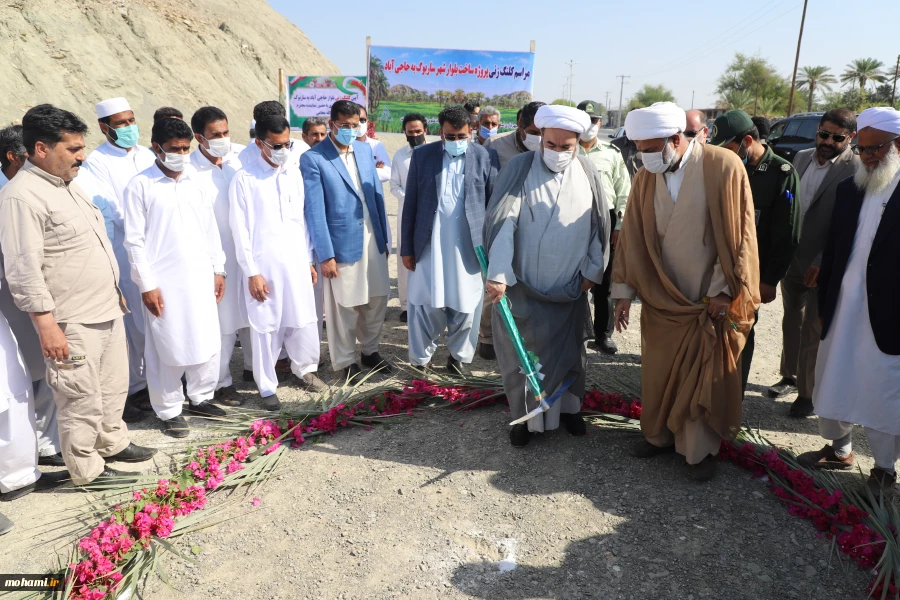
(459, 96)
(863, 70)
(737, 99)
(812, 78)
(378, 82)
(767, 106)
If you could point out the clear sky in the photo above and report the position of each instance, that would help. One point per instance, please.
(682, 45)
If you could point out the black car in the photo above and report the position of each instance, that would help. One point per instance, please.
(789, 136)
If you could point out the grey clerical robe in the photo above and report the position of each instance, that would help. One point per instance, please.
(545, 231)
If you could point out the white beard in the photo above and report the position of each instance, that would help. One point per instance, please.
(881, 176)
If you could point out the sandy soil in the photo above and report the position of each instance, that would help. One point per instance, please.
(442, 507)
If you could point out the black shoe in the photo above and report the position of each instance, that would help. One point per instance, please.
(785, 387)
(705, 469)
(5, 525)
(50, 480)
(376, 363)
(486, 351)
(109, 478)
(131, 413)
(801, 407)
(247, 376)
(351, 373)
(54, 460)
(176, 427)
(457, 368)
(644, 449)
(519, 435)
(132, 453)
(141, 400)
(17, 493)
(404, 317)
(226, 397)
(606, 345)
(573, 423)
(271, 402)
(206, 409)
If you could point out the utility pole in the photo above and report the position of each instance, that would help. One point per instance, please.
(692, 99)
(790, 107)
(896, 74)
(571, 64)
(606, 103)
(621, 91)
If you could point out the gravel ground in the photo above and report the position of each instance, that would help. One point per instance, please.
(442, 507)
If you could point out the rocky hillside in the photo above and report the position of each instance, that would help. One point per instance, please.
(187, 53)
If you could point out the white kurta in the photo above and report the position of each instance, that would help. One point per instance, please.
(271, 239)
(18, 441)
(215, 182)
(447, 274)
(399, 173)
(173, 245)
(368, 277)
(380, 153)
(855, 381)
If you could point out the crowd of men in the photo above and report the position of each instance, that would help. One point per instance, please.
(130, 274)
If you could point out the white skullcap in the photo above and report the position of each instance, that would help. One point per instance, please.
(883, 118)
(252, 123)
(660, 120)
(562, 117)
(111, 107)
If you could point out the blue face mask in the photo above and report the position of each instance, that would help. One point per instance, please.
(456, 147)
(126, 137)
(485, 133)
(345, 137)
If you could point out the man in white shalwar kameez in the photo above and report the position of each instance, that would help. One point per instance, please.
(107, 171)
(547, 237)
(178, 264)
(414, 127)
(858, 365)
(18, 436)
(442, 225)
(271, 108)
(215, 162)
(276, 260)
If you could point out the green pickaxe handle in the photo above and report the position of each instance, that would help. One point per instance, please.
(528, 367)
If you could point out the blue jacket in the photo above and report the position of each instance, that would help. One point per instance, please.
(333, 208)
(421, 201)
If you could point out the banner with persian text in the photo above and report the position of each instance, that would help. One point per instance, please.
(313, 95)
(425, 80)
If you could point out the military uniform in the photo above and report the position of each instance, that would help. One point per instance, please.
(615, 183)
(774, 184)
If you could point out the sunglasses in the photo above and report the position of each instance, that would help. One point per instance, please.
(837, 137)
(692, 134)
(287, 146)
(872, 150)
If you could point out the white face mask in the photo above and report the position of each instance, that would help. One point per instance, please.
(532, 142)
(659, 162)
(557, 161)
(363, 129)
(220, 147)
(591, 132)
(174, 162)
(280, 156)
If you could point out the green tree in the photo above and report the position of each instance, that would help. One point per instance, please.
(736, 100)
(563, 102)
(863, 70)
(649, 94)
(812, 78)
(769, 107)
(755, 76)
(378, 82)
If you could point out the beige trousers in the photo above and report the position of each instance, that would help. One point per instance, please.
(694, 441)
(349, 324)
(485, 333)
(90, 389)
(802, 332)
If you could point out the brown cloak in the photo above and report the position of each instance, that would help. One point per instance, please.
(690, 364)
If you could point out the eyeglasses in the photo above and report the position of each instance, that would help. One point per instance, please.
(837, 137)
(452, 137)
(872, 150)
(287, 146)
(691, 134)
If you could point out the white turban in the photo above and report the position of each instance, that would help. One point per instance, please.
(112, 106)
(562, 117)
(660, 120)
(883, 118)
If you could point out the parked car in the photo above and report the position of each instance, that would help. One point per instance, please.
(617, 133)
(789, 136)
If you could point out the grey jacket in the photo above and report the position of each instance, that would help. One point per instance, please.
(817, 221)
(423, 183)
